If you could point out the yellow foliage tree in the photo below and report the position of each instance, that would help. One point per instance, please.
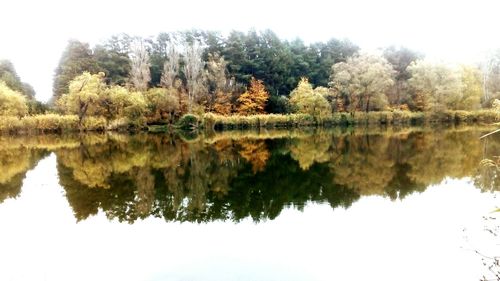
(254, 99)
(12, 103)
(83, 96)
(307, 100)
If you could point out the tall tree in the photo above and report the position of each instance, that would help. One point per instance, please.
(140, 75)
(491, 78)
(76, 58)
(400, 58)
(217, 81)
(334, 51)
(115, 64)
(193, 71)
(170, 68)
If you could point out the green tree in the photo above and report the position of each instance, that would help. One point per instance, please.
(329, 53)
(76, 58)
(115, 64)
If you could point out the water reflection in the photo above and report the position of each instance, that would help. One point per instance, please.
(235, 175)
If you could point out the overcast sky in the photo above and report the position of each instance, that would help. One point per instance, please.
(34, 33)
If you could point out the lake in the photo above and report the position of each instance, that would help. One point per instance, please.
(385, 203)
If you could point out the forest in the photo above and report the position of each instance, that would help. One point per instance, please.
(194, 78)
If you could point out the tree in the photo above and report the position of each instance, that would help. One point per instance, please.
(193, 71)
(400, 58)
(491, 78)
(435, 87)
(170, 68)
(117, 101)
(140, 75)
(223, 103)
(362, 82)
(217, 83)
(9, 75)
(158, 52)
(472, 88)
(12, 103)
(115, 65)
(84, 93)
(306, 100)
(76, 58)
(253, 101)
(329, 53)
(163, 103)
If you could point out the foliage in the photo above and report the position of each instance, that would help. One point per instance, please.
(362, 81)
(188, 122)
(84, 93)
(76, 58)
(309, 101)
(163, 103)
(9, 76)
(253, 101)
(472, 89)
(436, 87)
(400, 58)
(12, 103)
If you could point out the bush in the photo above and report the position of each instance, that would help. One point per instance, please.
(188, 122)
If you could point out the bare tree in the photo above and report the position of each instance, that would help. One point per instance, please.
(139, 74)
(170, 68)
(193, 71)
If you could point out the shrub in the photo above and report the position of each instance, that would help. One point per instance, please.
(188, 122)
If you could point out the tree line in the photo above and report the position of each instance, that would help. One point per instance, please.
(161, 78)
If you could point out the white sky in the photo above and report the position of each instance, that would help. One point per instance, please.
(34, 33)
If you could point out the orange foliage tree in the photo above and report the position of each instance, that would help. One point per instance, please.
(223, 104)
(254, 99)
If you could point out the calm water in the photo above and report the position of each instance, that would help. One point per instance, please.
(365, 204)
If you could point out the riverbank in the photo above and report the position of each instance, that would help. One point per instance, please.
(236, 122)
(55, 123)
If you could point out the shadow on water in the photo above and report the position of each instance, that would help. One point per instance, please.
(236, 175)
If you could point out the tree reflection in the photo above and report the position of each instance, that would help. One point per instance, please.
(233, 176)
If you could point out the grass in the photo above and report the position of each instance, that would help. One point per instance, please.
(55, 123)
(50, 123)
(397, 117)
